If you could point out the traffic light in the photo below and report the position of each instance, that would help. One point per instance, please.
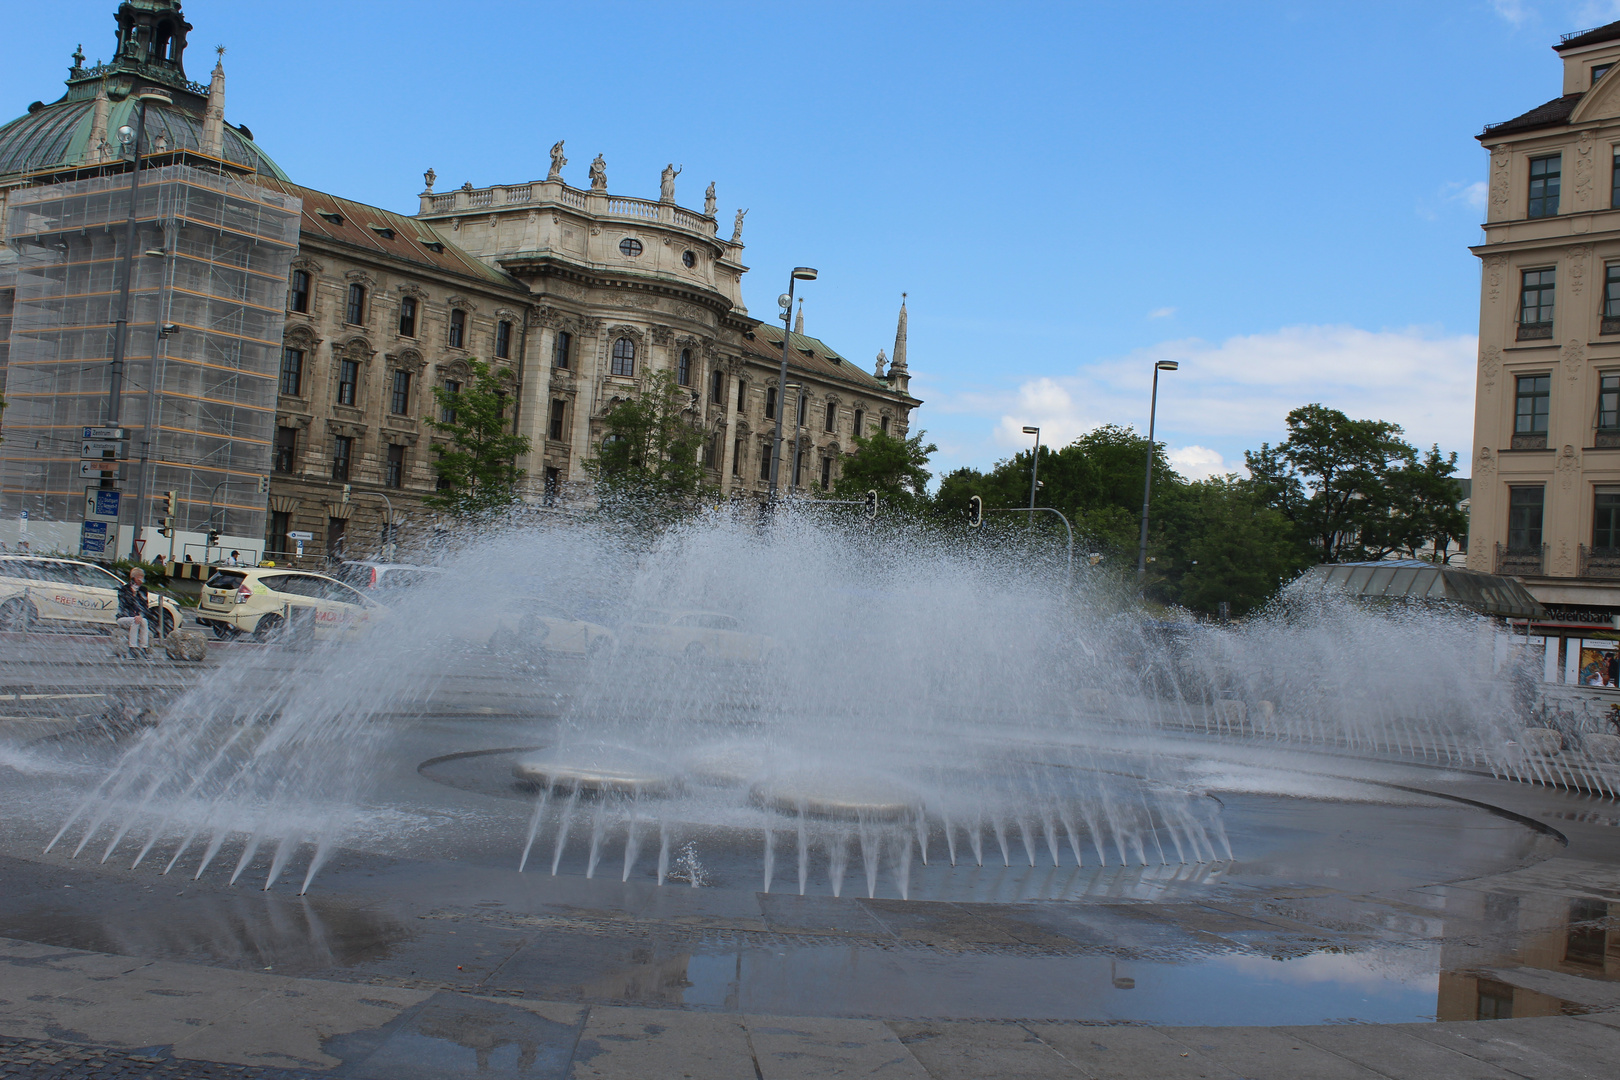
(975, 512)
(871, 505)
(166, 526)
(264, 485)
(213, 537)
(168, 504)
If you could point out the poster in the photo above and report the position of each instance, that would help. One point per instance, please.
(1600, 663)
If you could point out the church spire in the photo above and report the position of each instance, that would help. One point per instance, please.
(898, 363)
(798, 325)
(213, 131)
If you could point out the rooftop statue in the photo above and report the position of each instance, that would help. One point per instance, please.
(736, 229)
(428, 178)
(708, 201)
(558, 161)
(666, 183)
(598, 174)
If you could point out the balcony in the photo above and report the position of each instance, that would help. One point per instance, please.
(1535, 331)
(1602, 563)
(1521, 562)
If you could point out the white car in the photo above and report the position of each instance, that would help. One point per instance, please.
(260, 600)
(709, 634)
(534, 624)
(67, 593)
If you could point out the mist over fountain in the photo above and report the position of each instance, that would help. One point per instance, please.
(917, 706)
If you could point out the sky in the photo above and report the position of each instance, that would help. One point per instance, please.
(1278, 195)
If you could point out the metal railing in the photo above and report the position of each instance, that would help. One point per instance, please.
(1521, 562)
(1598, 562)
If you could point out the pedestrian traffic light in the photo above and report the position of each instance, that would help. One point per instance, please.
(264, 485)
(871, 505)
(168, 503)
(166, 526)
(975, 512)
(213, 537)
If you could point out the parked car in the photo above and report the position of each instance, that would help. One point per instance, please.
(67, 593)
(367, 574)
(709, 634)
(531, 623)
(258, 601)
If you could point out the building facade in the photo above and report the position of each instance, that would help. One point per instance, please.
(576, 296)
(1545, 499)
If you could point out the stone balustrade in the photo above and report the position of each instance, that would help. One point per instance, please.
(540, 193)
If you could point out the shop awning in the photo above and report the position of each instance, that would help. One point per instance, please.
(1488, 594)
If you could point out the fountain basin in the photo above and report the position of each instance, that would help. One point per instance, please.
(599, 770)
(842, 796)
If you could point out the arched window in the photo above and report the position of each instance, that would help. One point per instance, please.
(683, 368)
(624, 358)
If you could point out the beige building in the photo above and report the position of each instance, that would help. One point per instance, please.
(576, 296)
(1546, 457)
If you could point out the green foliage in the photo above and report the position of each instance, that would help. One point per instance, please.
(477, 465)
(652, 445)
(1422, 507)
(897, 469)
(1217, 541)
(1333, 478)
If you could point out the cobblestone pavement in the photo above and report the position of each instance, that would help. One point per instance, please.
(41, 1059)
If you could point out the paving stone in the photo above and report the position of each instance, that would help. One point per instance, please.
(455, 1035)
(808, 1048)
(1394, 1050)
(1128, 1053)
(976, 1050)
(289, 1025)
(1543, 1047)
(1267, 1054)
(623, 1043)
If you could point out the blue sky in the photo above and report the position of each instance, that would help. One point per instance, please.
(1278, 194)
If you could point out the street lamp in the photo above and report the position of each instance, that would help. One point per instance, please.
(1147, 481)
(1034, 465)
(800, 273)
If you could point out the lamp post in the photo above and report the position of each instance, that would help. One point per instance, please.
(1034, 466)
(800, 273)
(1147, 481)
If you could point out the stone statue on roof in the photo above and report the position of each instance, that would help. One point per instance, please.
(708, 201)
(428, 177)
(557, 161)
(666, 183)
(881, 360)
(598, 174)
(736, 229)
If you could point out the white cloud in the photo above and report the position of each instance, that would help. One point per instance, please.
(1470, 195)
(1232, 396)
(1161, 313)
(1197, 462)
(1514, 11)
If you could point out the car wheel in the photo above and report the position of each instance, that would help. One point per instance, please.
(222, 631)
(17, 614)
(268, 628)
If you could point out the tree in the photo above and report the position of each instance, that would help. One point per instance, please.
(1220, 541)
(1331, 478)
(1423, 507)
(477, 464)
(652, 446)
(897, 469)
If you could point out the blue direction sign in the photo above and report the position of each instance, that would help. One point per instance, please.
(93, 538)
(100, 504)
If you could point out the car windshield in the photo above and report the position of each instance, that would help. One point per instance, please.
(403, 579)
(225, 580)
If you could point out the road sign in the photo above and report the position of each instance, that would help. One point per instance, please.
(95, 470)
(94, 537)
(101, 504)
(103, 433)
(300, 549)
(90, 448)
(300, 536)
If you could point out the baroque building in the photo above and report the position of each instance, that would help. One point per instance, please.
(1545, 498)
(575, 295)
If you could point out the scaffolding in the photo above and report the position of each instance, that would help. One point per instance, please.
(198, 406)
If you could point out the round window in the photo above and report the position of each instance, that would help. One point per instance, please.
(629, 248)
(688, 260)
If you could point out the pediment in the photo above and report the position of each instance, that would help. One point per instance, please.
(1602, 102)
